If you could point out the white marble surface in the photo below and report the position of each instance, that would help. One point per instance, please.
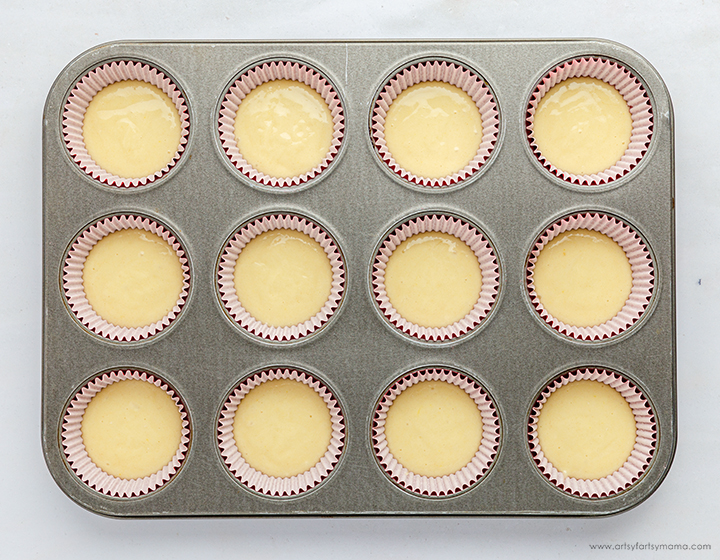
(680, 38)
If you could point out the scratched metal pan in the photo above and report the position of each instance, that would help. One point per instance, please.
(513, 355)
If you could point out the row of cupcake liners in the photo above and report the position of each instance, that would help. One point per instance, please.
(637, 250)
(426, 487)
(359, 204)
(435, 69)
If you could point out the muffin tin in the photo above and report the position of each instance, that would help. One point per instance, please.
(511, 355)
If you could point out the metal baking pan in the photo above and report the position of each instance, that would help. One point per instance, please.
(358, 355)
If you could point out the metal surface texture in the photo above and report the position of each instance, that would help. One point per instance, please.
(204, 356)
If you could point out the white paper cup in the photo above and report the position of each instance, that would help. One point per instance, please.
(226, 282)
(453, 74)
(81, 96)
(631, 89)
(73, 278)
(470, 474)
(78, 458)
(641, 264)
(640, 457)
(271, 485)
(487, 260)
(266, 72)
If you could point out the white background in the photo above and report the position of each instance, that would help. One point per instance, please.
(680, 38)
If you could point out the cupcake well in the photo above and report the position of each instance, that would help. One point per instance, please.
(641, 263)
(271, 485)
(640, 457)
(226, 285)
(72, 278)
(81, 464)
(487, 260)
(83, 93)
(438, 486)
(438, 71)
(258, 75)
(631, 89)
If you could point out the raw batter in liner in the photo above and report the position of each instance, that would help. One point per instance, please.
(433, 279)
(582, 126)
(132, 129)
(284, 128)
(433, 129)
(586, 429)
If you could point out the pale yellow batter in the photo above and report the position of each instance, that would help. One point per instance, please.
(132, 129)
(582, 278)
(582, 126)
(132, 278)
(433, 428)
(433, 279)
(283, 277)
(586, 430)
(282, 428)
(284, 128)
(433, 129)
(131, 429)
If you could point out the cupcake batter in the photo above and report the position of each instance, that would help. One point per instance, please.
(433, 428)
(282, 428)
(132, 129)
(433, 279)
(433, 129)
(582, 278)
(284, 128)
(586, 430)
(582, 126)
(131, 429)
(132, 278)
(283, 277)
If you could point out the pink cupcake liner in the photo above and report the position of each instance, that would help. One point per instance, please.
(438, 485)
(438, 71)
(226, 281)
(89, 86)
(271, 485)
(488, 266)
(77, 456)
(73, 278)
(631, 90)
(257, 76)
(640, 457)
(641, 264)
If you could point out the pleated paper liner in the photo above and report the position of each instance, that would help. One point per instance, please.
(226, 282)
(641, 264)
(470, 474)
(72, 279)
(81, 464)
(89, 86)
(632, 91)
(438, 71)
(271, 485)
(266, 72)
(487, 260)
(640, 457)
